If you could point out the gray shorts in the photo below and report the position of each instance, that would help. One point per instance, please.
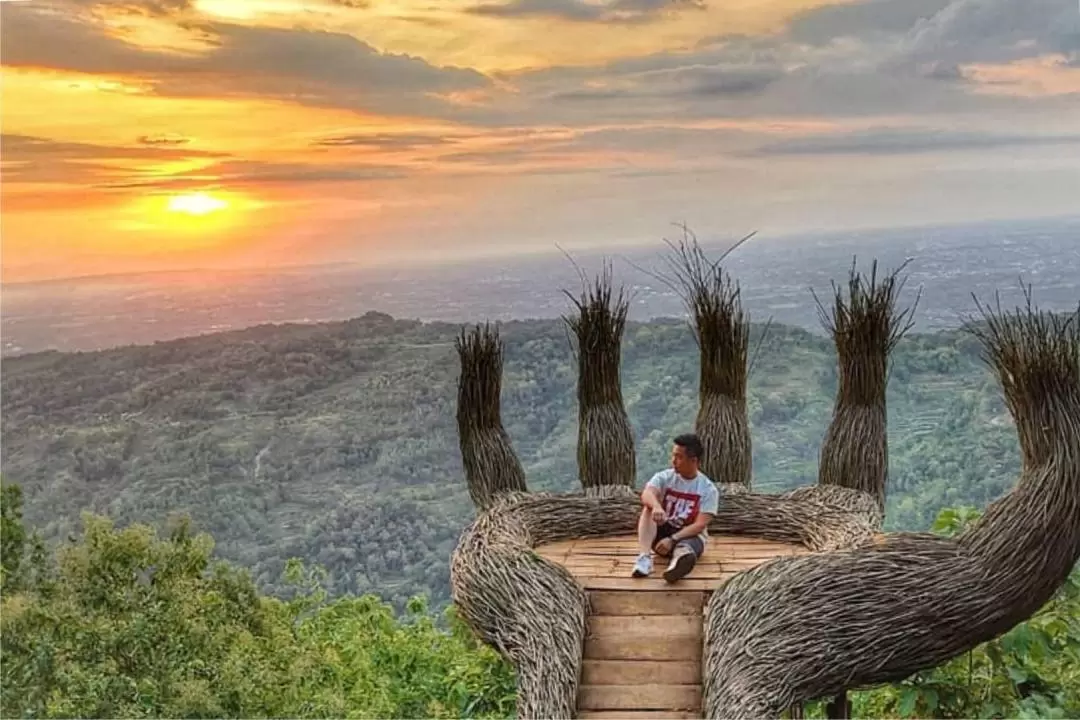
(694, 543)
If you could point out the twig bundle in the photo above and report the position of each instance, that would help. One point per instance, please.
(722, 331)
(798, 629)
(491, 465)
(605, 440)
(865, 327)
(1033, 533)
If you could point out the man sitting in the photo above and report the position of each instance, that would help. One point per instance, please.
(679, 503)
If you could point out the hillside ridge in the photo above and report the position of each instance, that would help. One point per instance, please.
(335, 442)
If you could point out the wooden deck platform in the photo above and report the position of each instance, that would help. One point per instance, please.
(605, 563)
(642, 654)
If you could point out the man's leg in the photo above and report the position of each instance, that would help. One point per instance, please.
(646, 537)
(683, 558)
(646, 531)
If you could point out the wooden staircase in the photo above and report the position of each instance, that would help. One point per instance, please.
(642, 655)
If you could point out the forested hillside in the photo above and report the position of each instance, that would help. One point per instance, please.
(336, 443)
(125, 622)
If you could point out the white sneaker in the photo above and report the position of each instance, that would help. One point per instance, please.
(643, 566)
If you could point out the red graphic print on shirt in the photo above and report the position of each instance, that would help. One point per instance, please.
(681, 508)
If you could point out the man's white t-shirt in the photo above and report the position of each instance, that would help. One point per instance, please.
(683, 499)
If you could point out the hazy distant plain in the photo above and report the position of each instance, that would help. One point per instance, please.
(947, 265)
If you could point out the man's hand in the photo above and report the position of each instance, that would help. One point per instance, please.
(659, 516)
(665, 546)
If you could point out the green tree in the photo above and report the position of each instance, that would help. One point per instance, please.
(127, 624)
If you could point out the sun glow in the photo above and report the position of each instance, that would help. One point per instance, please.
(196, 204)
(190, 220)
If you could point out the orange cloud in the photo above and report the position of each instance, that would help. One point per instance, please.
(1043, 76)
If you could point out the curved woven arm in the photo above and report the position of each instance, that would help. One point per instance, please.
(529, 609)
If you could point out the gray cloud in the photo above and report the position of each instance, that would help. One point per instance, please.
(935, 35)
(992, 31)
(887, 141)
(163, 140)
(386, 141)
(62, 39)
(866, 58)
(36, 149)
(334, 59)
(247, 173)
(319, 68)
(666, 78)
(624, 11)
(153, 8)
(862, 19)
(33, 159)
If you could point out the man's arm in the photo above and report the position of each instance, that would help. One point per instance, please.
(650, 497)
(653, 494)
(693, 529)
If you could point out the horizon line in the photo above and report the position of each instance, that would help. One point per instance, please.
(593, 250)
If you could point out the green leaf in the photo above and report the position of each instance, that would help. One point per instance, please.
(930, 699)
(909, 697)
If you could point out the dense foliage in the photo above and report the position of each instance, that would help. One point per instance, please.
(123, 623)
(336, 443)
(127, 624)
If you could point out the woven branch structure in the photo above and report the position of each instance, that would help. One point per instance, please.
(797, 629)
(721, 329)
(606, 460)
(865, 327)
(491, 466)
(534, 612)
(865, 608)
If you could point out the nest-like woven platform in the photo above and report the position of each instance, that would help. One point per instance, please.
(533, 610)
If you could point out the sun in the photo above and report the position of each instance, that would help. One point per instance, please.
(196, 204)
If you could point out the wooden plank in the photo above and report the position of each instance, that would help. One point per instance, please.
(686, 626)
(710, 556)
(707, 559)
(640, 672)
(629, 602)
(714, 573)
(638, 715)
(653, 582)
(658, 562)
(555, 547)
(713, 536)
(579, 561)
(639, 697)
(750, 551)
(583, 545)
(710, 576)
(642, 647)
(710, 549)
(626, 569)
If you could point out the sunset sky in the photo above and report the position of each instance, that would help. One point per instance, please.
(160, 134)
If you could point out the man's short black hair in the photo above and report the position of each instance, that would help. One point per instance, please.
(691, 443)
